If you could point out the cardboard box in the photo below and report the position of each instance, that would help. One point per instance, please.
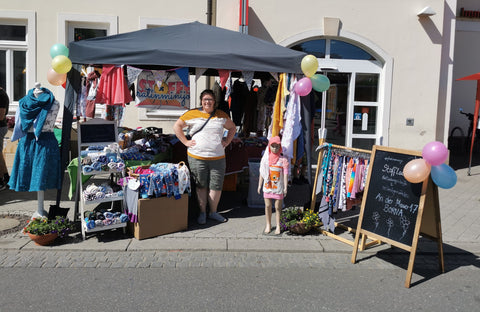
(159, 216)
(230, 182)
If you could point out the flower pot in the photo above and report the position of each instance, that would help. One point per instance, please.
(43, 240)
(300, 228)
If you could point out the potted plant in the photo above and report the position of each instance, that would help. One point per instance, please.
(44, 231)
(298, 221)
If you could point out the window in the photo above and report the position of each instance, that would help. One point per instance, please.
(88, 33)
(13, 63)
(333, 49)
(17, 54)
(314, 47)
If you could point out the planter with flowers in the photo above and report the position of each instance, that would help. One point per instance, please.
(44, 231)
(299, 221)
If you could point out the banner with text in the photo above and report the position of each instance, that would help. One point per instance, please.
(170, 93)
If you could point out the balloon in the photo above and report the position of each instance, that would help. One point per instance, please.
(303, 86)
(435, 153)
(309, 65)
(444, 176)
(55, 78)
(58, 49)
(320, 83)
(61, 64)
(416, 170)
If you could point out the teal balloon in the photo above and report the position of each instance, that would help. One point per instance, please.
(320, 83)
(443, 176)
(58, 49)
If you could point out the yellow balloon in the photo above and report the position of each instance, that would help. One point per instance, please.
(61, 64)
(309, 65)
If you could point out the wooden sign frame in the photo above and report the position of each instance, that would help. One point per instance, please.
(427, 223)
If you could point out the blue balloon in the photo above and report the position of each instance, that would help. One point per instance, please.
(444, 176)
(320, 83)
(58, 49)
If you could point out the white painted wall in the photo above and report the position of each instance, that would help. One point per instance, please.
(414, 45)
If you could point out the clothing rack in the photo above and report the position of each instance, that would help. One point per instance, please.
(346, 151)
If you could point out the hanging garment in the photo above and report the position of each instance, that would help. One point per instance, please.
(293, 126)
(279, 106)
(239, 96)
(91, 89)
(112, 87)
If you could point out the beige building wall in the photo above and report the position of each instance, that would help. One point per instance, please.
(413, 44)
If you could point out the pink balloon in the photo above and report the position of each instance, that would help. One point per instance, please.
(435, 153)
(55, 78)
(416, 170)
(303, 86)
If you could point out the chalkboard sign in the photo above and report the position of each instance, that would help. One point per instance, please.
(391, 205)
(397, 211)
(97, 131)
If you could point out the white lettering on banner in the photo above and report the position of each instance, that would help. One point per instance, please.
(172, 93)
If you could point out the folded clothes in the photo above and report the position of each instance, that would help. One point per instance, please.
(97, 166)
(120, 166)
(108, 215)
(98, 223)
(87, 169)
(99, 195)
(99, 216)
(123, 217)
(107, 222)
(90, 223)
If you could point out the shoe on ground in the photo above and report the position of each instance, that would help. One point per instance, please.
(217, 217)
(3, 185)
(202, 218)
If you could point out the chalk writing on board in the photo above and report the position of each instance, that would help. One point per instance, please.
(392, 202)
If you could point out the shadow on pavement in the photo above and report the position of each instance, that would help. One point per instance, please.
(427, 261)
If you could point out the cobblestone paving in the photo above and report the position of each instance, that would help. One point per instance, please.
(179, 259)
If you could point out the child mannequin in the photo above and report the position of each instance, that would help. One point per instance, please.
(274, 170)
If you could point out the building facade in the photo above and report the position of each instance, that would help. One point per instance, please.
(392, 65)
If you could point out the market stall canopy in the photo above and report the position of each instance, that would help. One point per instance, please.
(193, 44)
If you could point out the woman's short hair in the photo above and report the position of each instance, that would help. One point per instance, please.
(205, 92)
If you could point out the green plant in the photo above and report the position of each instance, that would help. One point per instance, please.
(42, 226)
(310, 218)
(289, 217)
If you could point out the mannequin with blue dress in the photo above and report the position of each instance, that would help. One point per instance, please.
(36, 167)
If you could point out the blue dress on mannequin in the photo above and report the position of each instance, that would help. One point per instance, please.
(37, 160)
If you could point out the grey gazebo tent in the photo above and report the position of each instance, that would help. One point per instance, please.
(192, 45)
(188, 45)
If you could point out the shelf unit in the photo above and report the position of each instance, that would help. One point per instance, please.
(97, 132)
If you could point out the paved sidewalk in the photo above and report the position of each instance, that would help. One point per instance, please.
(459, 206)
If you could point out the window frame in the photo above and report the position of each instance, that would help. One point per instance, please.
(27, 19)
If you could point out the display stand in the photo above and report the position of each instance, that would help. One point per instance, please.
(364, 243)
(96, 132)
(396, 211)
